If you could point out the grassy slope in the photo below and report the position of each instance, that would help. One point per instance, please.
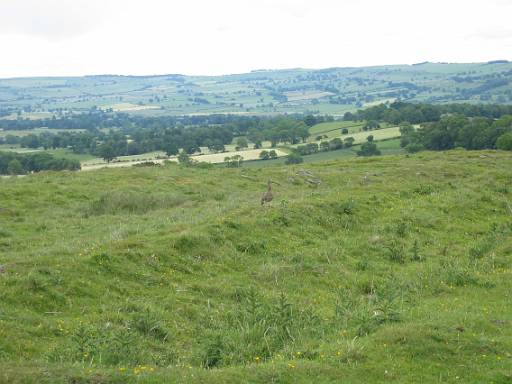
(144, 274)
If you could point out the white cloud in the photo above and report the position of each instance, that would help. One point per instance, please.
(493, 33)
(51, 19)
(64, 37)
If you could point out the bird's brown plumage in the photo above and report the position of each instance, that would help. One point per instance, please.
(267, 196)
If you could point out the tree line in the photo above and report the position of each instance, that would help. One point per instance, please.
(454, 131)
(96, 119)
(12, 163)
(399, 112)
(170, 139)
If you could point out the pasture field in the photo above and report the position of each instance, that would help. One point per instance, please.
(157, 157)
(360, 136)
(378, 134)
(390, 147)
(128, 107)
(305, 95)
(69, 154)
(35, 131)
(13, 147)
(394, 269)
(323, 128)
(28, 115)
(248, 154)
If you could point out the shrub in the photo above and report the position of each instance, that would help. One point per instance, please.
(369, 149)
(414, 147)
(294, 158)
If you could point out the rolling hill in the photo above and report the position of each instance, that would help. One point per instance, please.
(325, 91)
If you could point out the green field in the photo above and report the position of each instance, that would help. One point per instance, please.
(359, 135)
(35, 131)
(68, 154)
(394, 269)
(387, 147)
(335, 126)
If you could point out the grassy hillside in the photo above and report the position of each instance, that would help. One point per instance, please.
(326, 91)
(394, 269)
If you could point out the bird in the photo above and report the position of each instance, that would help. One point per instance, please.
(267, 196)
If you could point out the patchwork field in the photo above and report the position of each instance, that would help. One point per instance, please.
(156, 157)
(325, 91)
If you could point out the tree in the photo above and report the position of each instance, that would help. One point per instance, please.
(241, 142)
(14, 167)
(273, 154)
(348, 116)
(344, 131)
(349, 141)
(312, 147)
(107, 152)
(335, 144)
(310, 120)
(171, 149)
(30, 141)
(256, 137)
(324, 146)
(233, 161)
(372, 124)
(414, 147)
(264, 155)
(184, 158)
(406, 133)
(216, 146)
(406, 128)
(504, 142)
(369, 138)
(369, 148)
(294, 158)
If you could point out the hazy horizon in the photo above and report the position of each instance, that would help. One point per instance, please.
(49, 38)
(249, 71)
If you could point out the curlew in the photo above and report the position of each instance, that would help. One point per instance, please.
(267, 196)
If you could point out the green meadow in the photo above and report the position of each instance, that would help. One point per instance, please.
(391, 269)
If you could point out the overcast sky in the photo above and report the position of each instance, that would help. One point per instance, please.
(78, 37)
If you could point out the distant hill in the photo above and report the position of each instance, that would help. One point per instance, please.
(324, 91)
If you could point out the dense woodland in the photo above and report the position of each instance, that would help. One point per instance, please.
(131, 135)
